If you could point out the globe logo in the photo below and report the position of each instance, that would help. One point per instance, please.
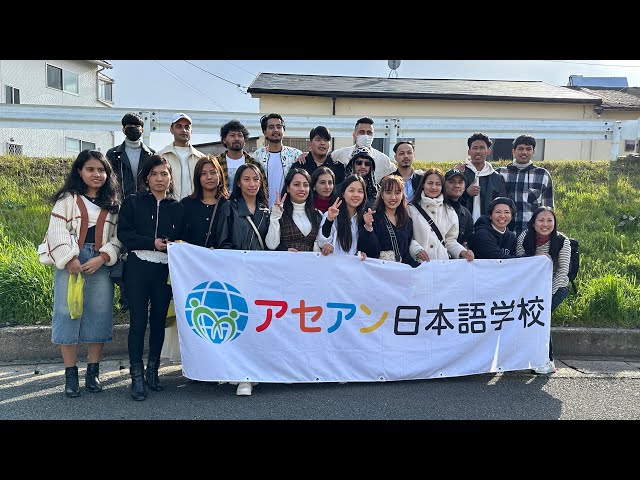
(216, 312)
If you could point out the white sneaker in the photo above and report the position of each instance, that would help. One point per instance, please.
(546, 369)
(244, 388)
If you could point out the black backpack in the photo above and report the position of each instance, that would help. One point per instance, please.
(574, 261)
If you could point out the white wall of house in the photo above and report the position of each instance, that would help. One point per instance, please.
(30, 77)
(433, 150)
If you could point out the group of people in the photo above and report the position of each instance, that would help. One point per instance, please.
(355, 201)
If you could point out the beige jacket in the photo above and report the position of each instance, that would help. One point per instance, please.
(69, 217)
(169, 153)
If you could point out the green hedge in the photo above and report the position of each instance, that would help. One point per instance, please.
(596, 202)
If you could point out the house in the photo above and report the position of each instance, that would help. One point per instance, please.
(55, 82)
(441, 98)
(619, 101)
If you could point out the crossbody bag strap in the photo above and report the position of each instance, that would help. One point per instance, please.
(394, 240)
(215, 209)
(432, 224)
(255, 229)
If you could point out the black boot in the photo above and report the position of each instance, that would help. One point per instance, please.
(71, 384)
(138, 390)
(91, 380)
(152, 374)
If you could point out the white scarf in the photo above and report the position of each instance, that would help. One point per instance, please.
(431, 205)
(486, 170)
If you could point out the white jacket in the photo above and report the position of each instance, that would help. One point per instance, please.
(446, 219)
(69, 217)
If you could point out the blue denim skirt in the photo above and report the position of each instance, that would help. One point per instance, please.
(96, 323)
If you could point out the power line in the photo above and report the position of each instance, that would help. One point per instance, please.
(184, 82)
(217, 76)
(238, 66)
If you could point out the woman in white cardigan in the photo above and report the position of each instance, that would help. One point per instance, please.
(429, 203)
(82, 240)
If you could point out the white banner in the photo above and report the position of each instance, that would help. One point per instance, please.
(303, 317)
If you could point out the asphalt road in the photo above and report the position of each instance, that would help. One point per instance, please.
(581, 389)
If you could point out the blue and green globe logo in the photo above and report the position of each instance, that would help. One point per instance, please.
(216, 312)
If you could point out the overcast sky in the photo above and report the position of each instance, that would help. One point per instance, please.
(220, 85)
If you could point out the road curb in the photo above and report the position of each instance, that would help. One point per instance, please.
(33, 343)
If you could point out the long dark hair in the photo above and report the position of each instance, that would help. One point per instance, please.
(343, 225)
(262, 198)
(312, 214)
(388, 184)
(419, 191)
(154, 161)
(529, 240)
(222, 191)
(108, 195)
(317, 173)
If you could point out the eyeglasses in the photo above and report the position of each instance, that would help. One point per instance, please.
(366, 163)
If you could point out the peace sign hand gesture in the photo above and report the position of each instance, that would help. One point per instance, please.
(333, 210)
(279, 202)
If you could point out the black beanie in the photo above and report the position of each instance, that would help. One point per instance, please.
(501, 200)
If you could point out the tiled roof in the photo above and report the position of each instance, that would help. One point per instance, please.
(616, 98)
(447, 89)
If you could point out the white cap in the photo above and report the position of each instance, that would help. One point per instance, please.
(177, 116)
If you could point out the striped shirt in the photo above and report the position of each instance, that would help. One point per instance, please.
(561, 273)
(529, 188)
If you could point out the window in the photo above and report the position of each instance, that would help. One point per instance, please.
(12, 95)
(75, 145)
(105, 91)
(62, 79)
(629, 145)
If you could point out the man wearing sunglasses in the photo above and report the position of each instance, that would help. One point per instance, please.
(363, 164)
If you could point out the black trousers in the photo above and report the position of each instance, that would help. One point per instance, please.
(148, 296)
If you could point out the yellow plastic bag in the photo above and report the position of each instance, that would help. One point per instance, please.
(74, 295)
(171, 312)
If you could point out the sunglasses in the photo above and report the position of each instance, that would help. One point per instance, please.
(366, 163)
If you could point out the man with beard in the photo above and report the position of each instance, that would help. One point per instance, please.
(319, 155)
(181, 155)
(404, 155)
(233, 135)
(276, 159)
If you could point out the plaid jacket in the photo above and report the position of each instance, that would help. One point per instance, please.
(529, 188)
(222, 160)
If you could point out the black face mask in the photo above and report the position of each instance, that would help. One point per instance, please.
(133, 133)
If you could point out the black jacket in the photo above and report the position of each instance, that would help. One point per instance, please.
(243, 237)
(379, 239)
(197, 217)
(465, 222)
(491, 186)
(122, 167)
(487, 242)
(143, 219)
